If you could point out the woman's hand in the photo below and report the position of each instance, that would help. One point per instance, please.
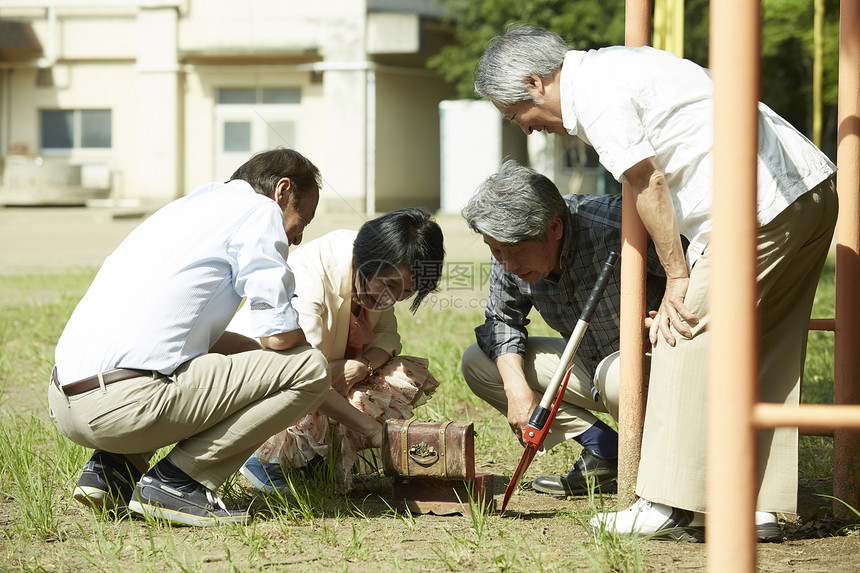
(346, 373)
(340, 410)
(673, 312)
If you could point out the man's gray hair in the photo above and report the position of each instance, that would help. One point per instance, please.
(514, 205)
(519, 53)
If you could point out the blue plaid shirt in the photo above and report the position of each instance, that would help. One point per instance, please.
(592, 230)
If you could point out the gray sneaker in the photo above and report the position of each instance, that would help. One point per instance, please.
(184, 504)
(107, 482)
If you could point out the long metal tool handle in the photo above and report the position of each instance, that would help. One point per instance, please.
(541, 412)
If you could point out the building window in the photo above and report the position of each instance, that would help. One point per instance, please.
(268, 96)
(252, 119)
(64, 129)
(237, 136)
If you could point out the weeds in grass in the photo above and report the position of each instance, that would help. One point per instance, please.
(505, 560)
(452, 556)
(846, 504)
(28, 476)
(328, 534)
(855, 511)
(480, 514)
(232, 492)
(288, 508)
(536, 558)
(620, 553)
(69, 457)
(815, 456)
(254, 540)
(405, 516)
(4, 368)
(104, 544)
(355, 548)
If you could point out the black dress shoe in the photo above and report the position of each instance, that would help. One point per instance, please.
(602, 471)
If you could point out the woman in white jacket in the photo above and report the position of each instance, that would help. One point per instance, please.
(346, 285)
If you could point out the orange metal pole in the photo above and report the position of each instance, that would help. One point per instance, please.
(846, 443)
(733, 355)
(809, 417)
(822, 324)
(637, 23)
(632, 343)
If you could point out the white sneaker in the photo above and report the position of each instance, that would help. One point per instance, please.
(652, 520)
(767, 527)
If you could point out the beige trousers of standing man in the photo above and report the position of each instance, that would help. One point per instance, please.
(791, 251)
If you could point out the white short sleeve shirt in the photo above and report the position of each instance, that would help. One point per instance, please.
(630, 104)
(167, 293)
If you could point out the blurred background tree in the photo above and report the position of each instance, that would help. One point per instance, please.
(787, 45)
(585, 24)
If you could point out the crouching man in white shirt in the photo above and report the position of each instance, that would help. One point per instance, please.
(144, 361)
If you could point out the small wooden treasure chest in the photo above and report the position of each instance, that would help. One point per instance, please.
(443, 450)
(433, 466)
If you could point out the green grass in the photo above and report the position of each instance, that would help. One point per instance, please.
(816, 452)
(311, 528)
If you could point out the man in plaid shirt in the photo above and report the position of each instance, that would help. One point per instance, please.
(547, 252)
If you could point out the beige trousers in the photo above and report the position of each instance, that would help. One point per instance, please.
(540, 362)
(217, 409)
(791, 251)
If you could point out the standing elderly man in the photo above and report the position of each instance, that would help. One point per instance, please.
(144, 361)
(547, 252)
(649, 116)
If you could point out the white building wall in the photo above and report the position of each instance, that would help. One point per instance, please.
(157, 174)
(252, 26)
(314, 139)
(471, 148)
(343, 163)
(200, 127)
(332, 125)
(345, 71)
(158, 65)
(407, 138)
(24, 101)
(103, 36)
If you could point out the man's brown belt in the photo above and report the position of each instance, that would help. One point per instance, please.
(91, 383)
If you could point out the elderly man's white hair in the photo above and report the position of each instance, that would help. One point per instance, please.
(514, 205)
(521, 52)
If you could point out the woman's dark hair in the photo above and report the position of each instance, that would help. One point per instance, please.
(265, 169)
(404, 237)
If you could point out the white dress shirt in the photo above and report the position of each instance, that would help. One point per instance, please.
(166, 294)
(634, 103)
